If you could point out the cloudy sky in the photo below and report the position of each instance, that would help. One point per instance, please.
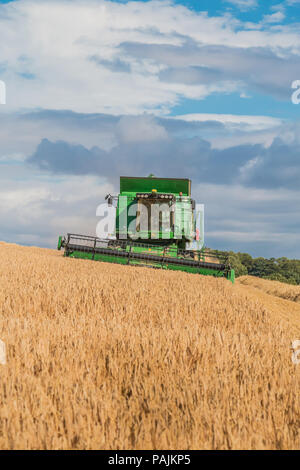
(201, 89)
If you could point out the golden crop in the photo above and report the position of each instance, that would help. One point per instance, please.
(101, 356)
(280, 289)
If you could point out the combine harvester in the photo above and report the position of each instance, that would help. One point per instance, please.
(155, 224)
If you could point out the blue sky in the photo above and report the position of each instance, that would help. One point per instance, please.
(200, 89)
(243, 10)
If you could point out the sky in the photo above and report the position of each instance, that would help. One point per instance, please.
(199, 89)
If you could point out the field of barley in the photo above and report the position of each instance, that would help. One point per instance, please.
(101, 356)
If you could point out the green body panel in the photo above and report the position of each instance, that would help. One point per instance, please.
(126, 215)
(231, 276)
(162, 185)
(59, 244)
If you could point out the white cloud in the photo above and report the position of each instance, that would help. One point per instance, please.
(244, 4)
(278, 7)
(35, 209)
(247, 123)
(67, 55)
(21, 134)
(274, 17)
(244, 95)
(257, 221)
(140, 129)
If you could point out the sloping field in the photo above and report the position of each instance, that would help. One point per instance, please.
(105, 356)
(279, 289)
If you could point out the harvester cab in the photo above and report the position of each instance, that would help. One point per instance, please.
(156, 222)
(155, 210)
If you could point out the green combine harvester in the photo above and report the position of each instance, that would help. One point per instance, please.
(155, 225)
